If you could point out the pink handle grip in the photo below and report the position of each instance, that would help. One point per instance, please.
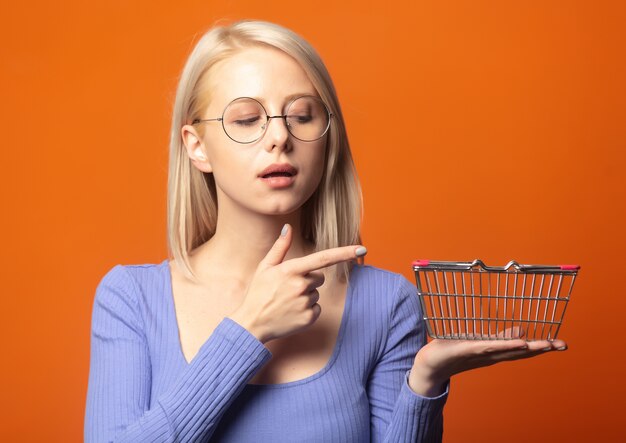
(421, 263)
(570, 267)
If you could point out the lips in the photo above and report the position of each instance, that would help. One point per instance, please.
(278, 170)
(279, 176)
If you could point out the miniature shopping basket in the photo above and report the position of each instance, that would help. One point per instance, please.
(472, 301)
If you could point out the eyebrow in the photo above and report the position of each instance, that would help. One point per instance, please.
(289, 98)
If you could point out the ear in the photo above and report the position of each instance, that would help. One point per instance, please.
(195, 148)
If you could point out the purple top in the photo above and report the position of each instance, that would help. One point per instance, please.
(141, 389)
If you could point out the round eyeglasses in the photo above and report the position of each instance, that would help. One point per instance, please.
(245, 120)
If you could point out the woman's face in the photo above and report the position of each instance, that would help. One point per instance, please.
(240, 170)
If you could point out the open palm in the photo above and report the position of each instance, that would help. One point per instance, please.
(441, 359)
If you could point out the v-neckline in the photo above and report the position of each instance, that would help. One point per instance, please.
(331, 361)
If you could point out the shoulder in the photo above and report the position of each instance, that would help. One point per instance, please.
(130, 276)
(385, 284)
(383, 292)
(123, 298)
(129, 285)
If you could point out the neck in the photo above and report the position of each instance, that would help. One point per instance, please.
(241, 241)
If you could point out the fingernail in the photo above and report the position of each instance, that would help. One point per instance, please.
(523, 347)
(562, 348)
(284, 231)
(549, 348)
(361, 251)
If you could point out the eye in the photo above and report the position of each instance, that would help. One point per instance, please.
(250, 121)
(244, 113)
(305, 110)
(301, 119)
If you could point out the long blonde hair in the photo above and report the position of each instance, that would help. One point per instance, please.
(332, 215)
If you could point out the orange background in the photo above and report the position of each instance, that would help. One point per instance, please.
(480, 129)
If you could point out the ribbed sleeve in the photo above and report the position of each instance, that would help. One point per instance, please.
(397, 413)
(118, 398)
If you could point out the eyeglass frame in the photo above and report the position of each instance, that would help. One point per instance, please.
(268, 117)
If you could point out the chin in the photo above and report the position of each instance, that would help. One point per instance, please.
(283, 207)
(282, 210)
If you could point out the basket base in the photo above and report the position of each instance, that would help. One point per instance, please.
(486, 337)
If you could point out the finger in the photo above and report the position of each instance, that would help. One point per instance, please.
(533, 348)
(314, 297)
(545, 345)
(323, 259)
(518, 355)
(312, 281)
(514, 332)
(495, 346)
(317, 310)
(499, 346)
(512, 355)
(316, 279)
(279, 249)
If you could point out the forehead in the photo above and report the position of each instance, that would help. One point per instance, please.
(264, 73)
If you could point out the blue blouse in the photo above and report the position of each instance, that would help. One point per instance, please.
(141, 388)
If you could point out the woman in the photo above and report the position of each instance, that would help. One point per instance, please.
(262, 327)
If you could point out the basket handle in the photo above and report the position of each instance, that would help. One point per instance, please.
(479, 263)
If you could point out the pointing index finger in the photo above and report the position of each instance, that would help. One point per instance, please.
(325, 258)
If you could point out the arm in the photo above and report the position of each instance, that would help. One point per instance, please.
(398, 414)
(119, 407)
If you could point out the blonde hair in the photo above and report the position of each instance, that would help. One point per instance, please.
(332, 215)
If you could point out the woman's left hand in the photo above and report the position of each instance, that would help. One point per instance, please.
(437, 361)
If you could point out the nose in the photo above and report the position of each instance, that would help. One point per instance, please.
(277, 134)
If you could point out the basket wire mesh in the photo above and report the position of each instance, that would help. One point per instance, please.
(472, 301)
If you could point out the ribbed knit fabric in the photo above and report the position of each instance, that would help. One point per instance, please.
(141, 389)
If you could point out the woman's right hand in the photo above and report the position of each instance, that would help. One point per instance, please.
(282, 296)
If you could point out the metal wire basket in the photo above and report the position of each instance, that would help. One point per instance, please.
(472, 301)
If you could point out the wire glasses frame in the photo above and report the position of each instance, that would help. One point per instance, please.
(248, 119)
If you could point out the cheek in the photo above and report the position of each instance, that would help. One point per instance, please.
(317, 163)
(224, 154)
(320, 157)
(320, 166)
(228, 167)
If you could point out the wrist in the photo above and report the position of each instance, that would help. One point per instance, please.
(248, 324)
(425, 383)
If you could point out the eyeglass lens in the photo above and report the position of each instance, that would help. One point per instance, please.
(245, 119)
